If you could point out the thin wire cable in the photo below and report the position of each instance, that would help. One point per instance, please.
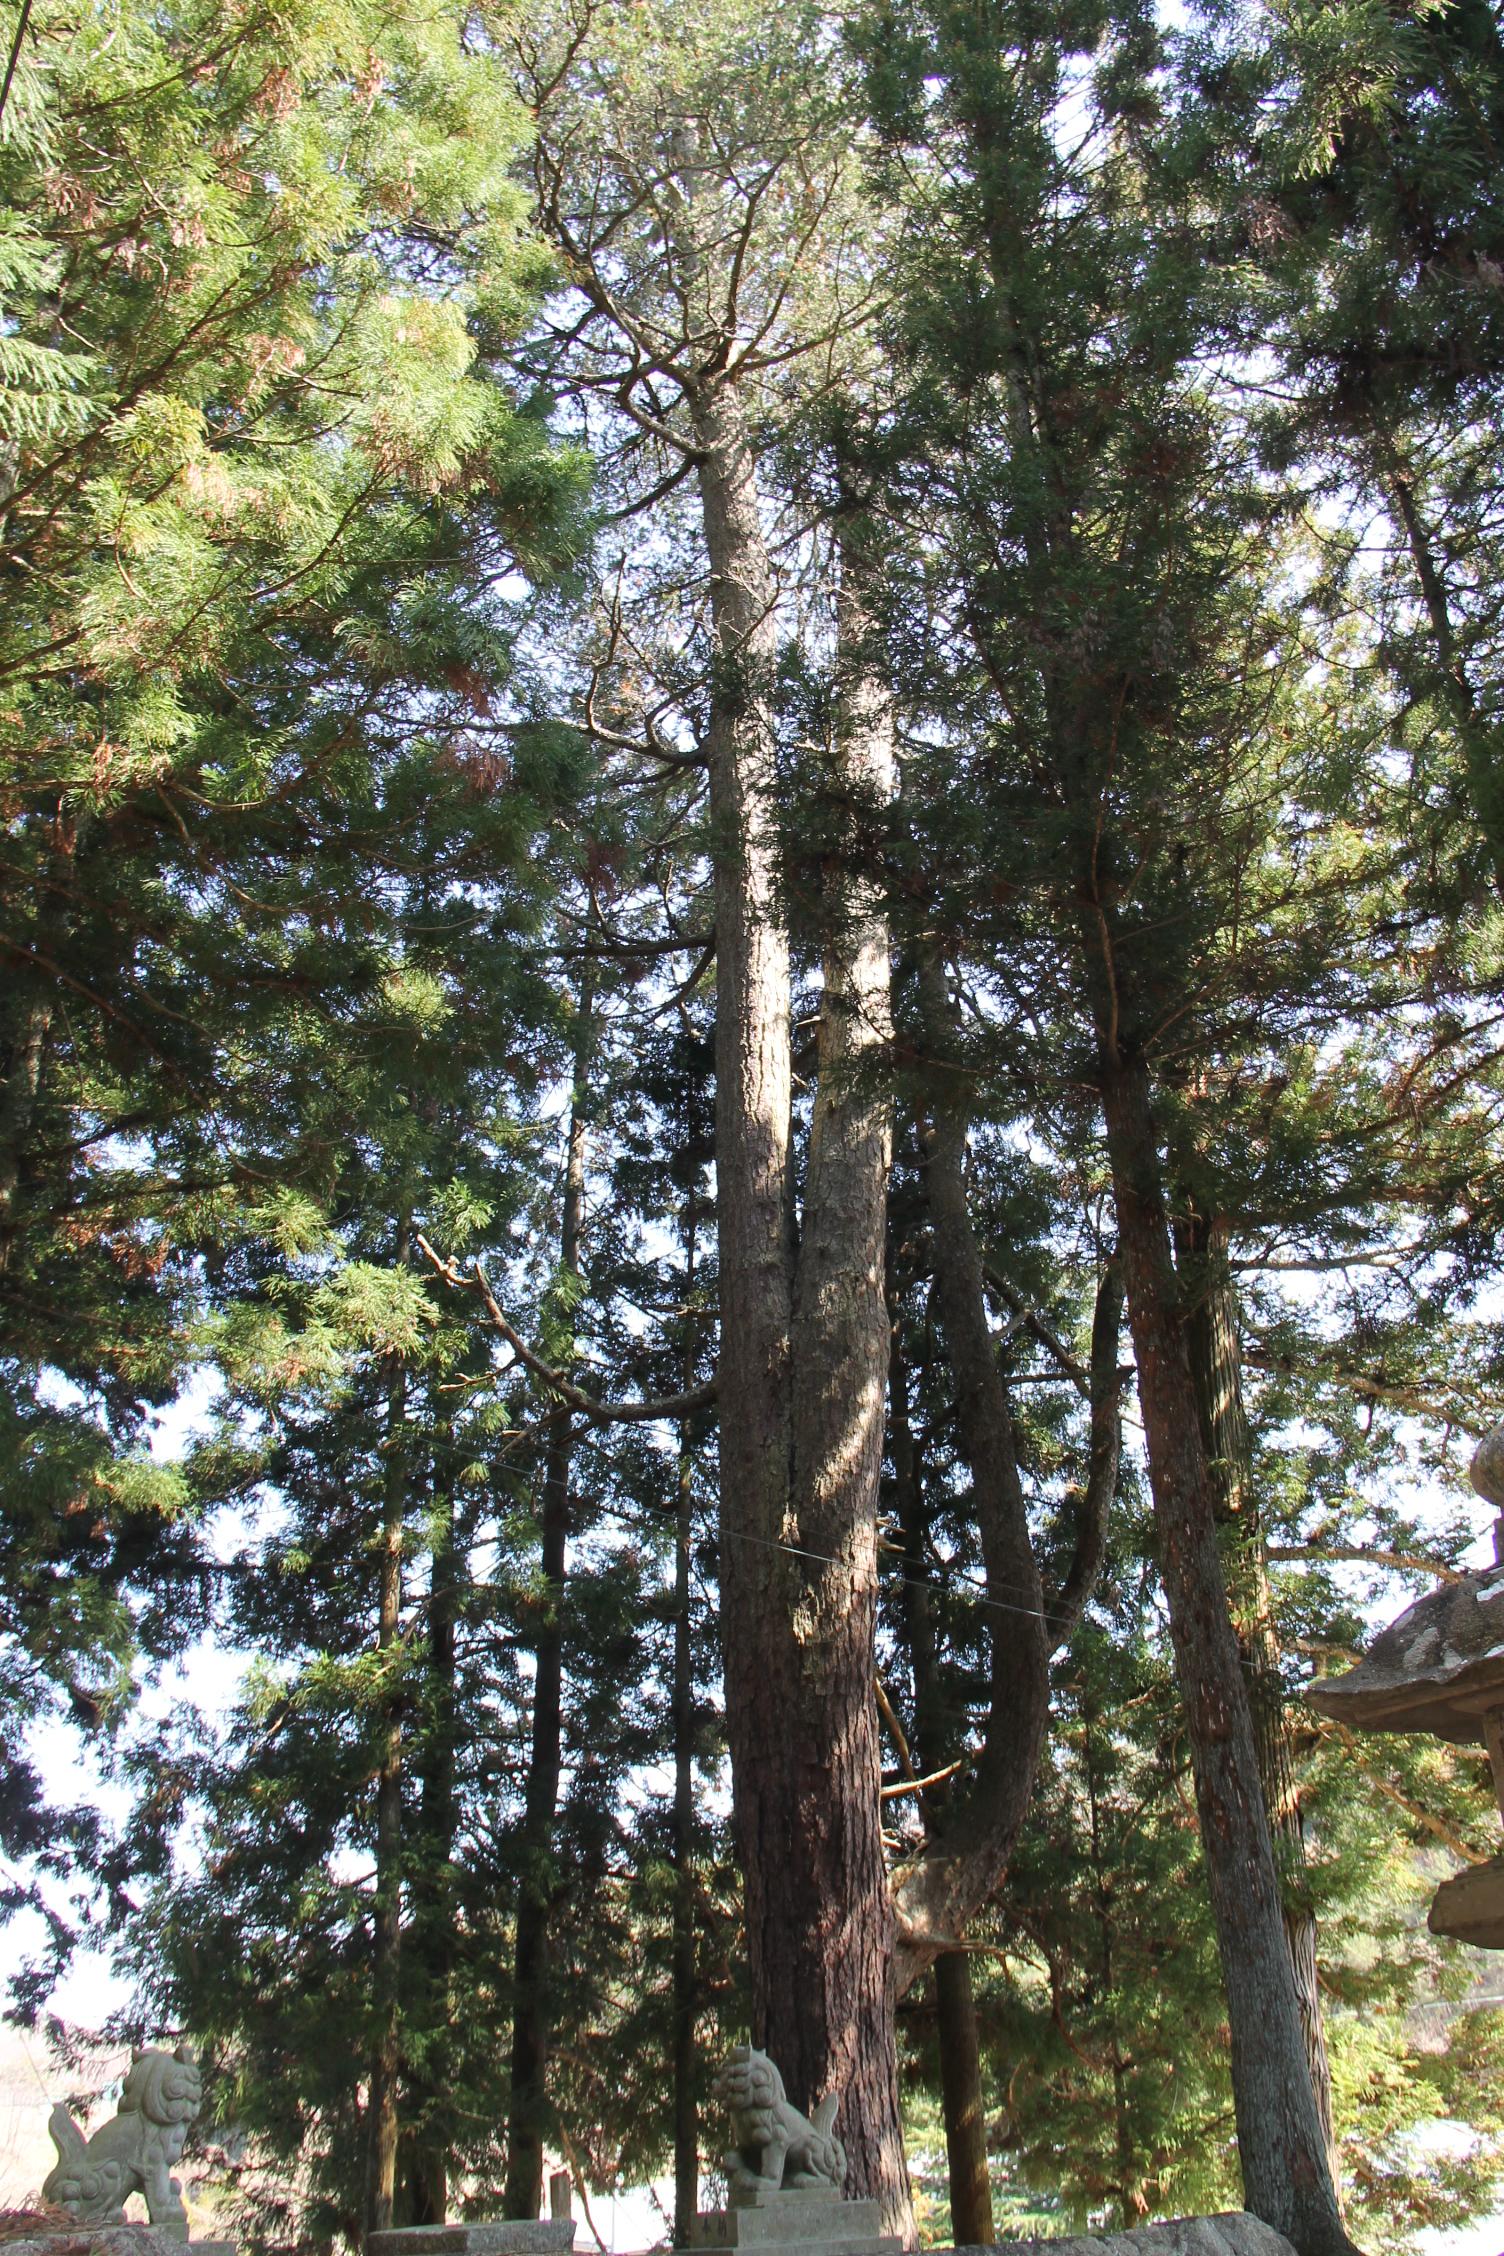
(943, 1577)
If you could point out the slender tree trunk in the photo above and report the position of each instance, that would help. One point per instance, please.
(934, 1731)
(383, 2123)
(1482, 747)
(1280, 2143)
(684, 1970)
(30, 1016)
(1216, 1365)
(935, 1717)
(961, 2097)
(1132, 2207)
(522, 2195)
(802, 1369)
(432, 1929)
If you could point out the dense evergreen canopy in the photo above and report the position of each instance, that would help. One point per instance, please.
(751, 1105)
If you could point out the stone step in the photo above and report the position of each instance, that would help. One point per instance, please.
(535, 2236)
(1233, 2233)
(838, 2244)
(113, 2240)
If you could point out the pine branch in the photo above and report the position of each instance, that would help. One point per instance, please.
(586, 1405)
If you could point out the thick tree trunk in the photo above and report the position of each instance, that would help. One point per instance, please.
(1280, 2143)
(382, 2111)
(527, 2119)
(802, 1371)
(1216, 1366)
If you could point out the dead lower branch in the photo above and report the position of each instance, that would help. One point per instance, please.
(585, 1405)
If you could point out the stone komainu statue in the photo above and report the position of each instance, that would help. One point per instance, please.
(775, 2145)
(133, 2152)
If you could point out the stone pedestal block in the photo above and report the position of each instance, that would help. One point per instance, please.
(1234, 2233)
(536, 2236)
(114, 2240)
(772, 2221)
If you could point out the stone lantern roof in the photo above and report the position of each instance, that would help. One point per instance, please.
(1440, 1668)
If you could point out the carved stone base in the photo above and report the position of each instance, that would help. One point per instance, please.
(115, 2240)
(772, 2221)
(537, 2236)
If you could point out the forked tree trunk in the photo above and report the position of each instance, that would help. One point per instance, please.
(803, 1361)
(1281, 2148)
(527, 2119)
(1216, 1365)
(975, 1833)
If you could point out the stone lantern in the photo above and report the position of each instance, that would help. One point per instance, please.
(1440, 1668)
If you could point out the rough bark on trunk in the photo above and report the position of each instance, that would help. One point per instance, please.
(382, 2124)
(933, 1732)
(803, 1362)
(527, 2118)
(971, 1837)
(961, 2096)
(684, 1971)
(1280, 2143)
(1216, 1366)
(31, 1015)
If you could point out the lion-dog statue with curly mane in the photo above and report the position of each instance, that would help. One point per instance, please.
(776, 2148)
(133, 2152)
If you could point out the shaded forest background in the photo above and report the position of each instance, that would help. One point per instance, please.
(523, 525)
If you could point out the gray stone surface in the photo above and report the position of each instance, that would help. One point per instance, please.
(1486, 1471)
(774, 2222)
(538, 2236)
(1232, 2234)
(112, 2240)
(1438, 1668)
(1470, 1906)
(772, 2144)
(135, 2150)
